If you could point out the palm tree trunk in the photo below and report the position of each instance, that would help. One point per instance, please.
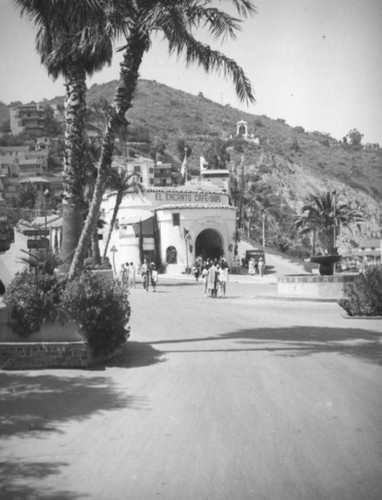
(118, 201)
(313, 242)
(74, 171)
(129, 74)
(96, 255)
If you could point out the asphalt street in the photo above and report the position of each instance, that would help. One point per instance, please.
(219, 399)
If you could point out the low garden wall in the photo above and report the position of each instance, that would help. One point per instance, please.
(314, 287)
(37, 355)
(54, 346)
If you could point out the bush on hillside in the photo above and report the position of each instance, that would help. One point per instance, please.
(363, 297)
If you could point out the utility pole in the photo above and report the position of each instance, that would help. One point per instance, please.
(263, 215)
(241, 222)
(334, 222)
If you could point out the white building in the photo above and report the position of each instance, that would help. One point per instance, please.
(142, 167)
(172, 226)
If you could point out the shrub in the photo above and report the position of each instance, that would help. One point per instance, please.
(33, 299)
(101, 309)
(363, 297)
(299, 129)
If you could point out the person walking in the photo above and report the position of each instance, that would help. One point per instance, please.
(205, 278)
(223, 278)
(196, 272)
(154, 278)
(251, 267)
(261, 266)
(122, 276)
(212, 279)
(132, 275)
(145, 272)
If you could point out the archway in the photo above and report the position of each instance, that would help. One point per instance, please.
(209, 245)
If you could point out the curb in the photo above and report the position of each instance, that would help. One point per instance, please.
(346, 316)
(289, 298)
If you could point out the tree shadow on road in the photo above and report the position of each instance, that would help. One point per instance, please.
(294, 341)
(15, 480)
(38, 404)
(136, 354)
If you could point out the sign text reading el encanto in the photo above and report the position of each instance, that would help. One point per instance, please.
(189, 197)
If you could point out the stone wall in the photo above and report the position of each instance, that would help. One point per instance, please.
(37, 355)
(314, 287)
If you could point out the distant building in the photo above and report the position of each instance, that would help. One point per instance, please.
(142, 167)
(58, 112)
(172, 226)
(219, 178)
(18, 161)
(33, 163)
(242, 129)
(162, 174)
(242, 132)
(13, 150)
(371, 146)
(27, 118)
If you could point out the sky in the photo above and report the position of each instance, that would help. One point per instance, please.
(314, 63)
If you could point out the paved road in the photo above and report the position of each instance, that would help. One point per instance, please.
(213, 399)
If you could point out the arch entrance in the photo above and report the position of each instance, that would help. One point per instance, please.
(209, 245)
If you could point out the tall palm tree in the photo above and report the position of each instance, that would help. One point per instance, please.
(177, 21)
(73, 40)
(324, 216)
(121, 183)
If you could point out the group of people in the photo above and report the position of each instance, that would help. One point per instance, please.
(127, 274)
(214, 273)
(256, 266)
(149, 274)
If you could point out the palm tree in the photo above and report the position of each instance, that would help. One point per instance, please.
(73, 40)
(121, 183)
(176, 20)
(324, 216)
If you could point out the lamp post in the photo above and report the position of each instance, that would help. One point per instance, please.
(334, 222)
(250, 213)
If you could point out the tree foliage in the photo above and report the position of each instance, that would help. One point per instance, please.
(355, 137)
(324, 215)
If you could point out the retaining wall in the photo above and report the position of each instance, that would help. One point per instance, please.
(319, 287)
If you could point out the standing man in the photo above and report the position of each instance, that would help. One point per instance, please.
(261, 266)
(145, 272)
(132, 275)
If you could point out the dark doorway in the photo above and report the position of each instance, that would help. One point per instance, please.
(209, 245)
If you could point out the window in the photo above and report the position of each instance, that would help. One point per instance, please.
(176, 219)
(137, 169)
(171, 255)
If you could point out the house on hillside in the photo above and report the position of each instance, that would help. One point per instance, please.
(371, 146)
(27, 118)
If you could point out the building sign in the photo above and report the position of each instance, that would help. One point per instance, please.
(164, 197)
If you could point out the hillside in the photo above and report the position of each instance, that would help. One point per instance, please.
(289, 161)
